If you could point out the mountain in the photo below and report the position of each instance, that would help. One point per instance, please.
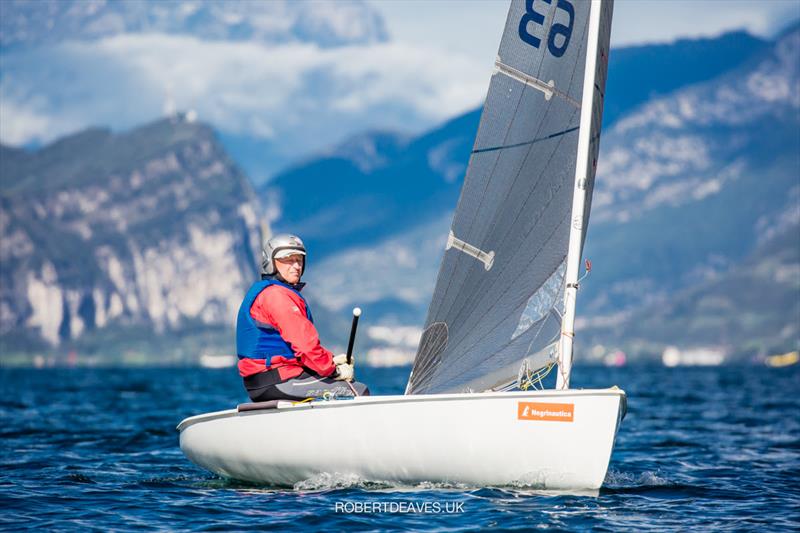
(45, 22)
(694, 229)
(640, 73)
(372, 186)
(124, 243)
(750, 310)
(694, 157)
(691, 185)
(409, 170)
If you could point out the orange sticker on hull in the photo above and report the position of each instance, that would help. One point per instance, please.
(554, 412)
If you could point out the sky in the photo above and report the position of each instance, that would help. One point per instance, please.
(300, 98)
(442, 24)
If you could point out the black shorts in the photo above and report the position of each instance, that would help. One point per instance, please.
(266, 386)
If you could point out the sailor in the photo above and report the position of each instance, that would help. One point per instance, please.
(280, 355)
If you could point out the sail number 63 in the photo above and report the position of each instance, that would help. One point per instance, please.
(564, 30)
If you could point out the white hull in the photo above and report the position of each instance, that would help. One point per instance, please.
(479, 439)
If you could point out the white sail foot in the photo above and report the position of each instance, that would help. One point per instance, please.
(487, 258)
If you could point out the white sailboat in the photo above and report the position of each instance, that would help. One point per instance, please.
(503, 309)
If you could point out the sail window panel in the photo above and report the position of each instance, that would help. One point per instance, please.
(474, 371)
(542, 301)
(504, 365)
(487, 311)
(539, 62)
(485, 318)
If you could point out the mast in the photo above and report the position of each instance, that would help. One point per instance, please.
(578, 225)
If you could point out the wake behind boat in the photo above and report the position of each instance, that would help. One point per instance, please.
(502, 313)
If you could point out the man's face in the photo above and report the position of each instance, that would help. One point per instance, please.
(290, 268)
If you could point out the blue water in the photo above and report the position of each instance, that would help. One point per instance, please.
(700, 449)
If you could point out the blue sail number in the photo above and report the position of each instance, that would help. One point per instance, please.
(564, 30)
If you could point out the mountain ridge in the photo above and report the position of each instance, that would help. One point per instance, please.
(153, 229)
(122, 229)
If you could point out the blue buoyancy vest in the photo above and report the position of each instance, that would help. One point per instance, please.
(257, 340)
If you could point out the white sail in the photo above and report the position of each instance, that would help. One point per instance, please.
(500, 297)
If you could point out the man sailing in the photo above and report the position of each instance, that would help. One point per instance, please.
(280, 355)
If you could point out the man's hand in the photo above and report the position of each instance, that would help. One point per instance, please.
(340, 359)
(344, 372)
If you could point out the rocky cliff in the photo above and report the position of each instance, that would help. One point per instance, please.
(152, 230)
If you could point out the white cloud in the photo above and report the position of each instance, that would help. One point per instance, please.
(20, 124)
(473, 28)
(649, 21)
(296, 94)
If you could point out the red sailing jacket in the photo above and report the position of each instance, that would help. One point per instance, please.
(286, 312)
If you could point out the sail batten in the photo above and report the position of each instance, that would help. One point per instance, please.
(549, 89)
(489, 316)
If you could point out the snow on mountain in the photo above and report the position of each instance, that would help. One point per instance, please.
(665, 151)
(697, 201)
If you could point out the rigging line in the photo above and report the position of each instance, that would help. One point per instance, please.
(516, 177)
(602, 96)
(493, 148)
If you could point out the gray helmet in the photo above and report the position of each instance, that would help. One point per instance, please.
(276, 245)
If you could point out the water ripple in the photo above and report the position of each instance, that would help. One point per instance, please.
(715, 449)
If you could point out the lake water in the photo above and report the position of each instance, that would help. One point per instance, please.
(699, 449)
